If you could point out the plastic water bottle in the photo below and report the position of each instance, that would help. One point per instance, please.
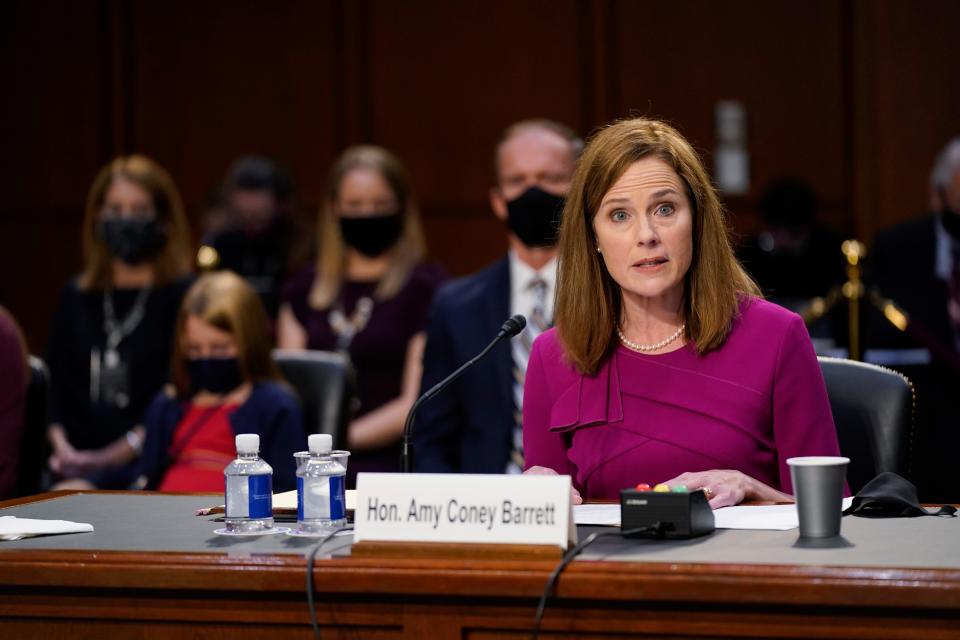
(249, 493)
(321, 507)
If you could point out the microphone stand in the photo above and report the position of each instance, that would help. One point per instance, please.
(510, 328)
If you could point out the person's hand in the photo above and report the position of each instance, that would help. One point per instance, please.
(69, 462)
(72, 463)
(726, 487)
(63, 451)
(547, 471)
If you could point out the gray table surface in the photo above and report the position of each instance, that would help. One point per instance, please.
(139, 522)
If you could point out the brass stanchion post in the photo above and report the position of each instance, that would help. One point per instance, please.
(852, 290)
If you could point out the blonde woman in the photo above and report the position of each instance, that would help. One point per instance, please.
(368, 295)
(110, 341)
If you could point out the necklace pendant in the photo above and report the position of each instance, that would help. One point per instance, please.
(346, 329)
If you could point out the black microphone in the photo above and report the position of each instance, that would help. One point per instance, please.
(510, 328)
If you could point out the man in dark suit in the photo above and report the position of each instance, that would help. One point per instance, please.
(474, 426)
(917, 265)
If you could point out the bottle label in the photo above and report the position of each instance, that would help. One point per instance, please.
(249, 496)
(320, 498)
(261, 496)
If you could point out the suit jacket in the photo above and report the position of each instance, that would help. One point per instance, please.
(468, 427)
(901, 265)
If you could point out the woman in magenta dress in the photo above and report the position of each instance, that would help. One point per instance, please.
(665, 365)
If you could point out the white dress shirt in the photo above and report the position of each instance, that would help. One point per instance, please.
(523, 300)
(943, 260)
(522, 297)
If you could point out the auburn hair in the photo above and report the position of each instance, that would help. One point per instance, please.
(589, 301)
(226, 301)
(173, 262)
(331, 252)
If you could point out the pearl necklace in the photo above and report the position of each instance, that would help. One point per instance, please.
(643, 348)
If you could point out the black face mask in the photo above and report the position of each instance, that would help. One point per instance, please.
(535, 217)
(891, 496)
(133, 240)
(216, 375)
(372, 235)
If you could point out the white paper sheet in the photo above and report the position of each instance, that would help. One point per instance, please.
(14, 528)
(285, 500)
(288, 500)
(774, 517)
(604, 515)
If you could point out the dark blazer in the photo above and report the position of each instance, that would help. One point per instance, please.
(468, 427)
(271, 411)
(901, 266)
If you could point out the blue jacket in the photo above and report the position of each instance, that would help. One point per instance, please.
(468, 427)
(271, 411)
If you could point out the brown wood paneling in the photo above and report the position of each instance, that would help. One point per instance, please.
(465, 238)
(856, 96)
(907, 93)
(446, 79)
(88, 593)
(218, 80)
(50, 125)
(51, 102)
(782, 60)
(599, 66)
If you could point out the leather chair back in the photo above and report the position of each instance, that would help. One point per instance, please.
(873, 412)
(324, 383)
(33, 445)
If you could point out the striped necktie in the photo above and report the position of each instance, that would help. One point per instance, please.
(537, 324)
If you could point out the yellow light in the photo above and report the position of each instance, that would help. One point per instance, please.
(854, 251)
(896, 317)
(207, 258)
(852, 290)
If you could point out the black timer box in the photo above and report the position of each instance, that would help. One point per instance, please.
(681, 515)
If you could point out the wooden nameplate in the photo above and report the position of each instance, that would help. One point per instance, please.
(455, 550)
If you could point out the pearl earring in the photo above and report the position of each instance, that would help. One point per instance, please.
(598, 250)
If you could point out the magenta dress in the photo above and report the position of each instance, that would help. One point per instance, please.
(749, 406)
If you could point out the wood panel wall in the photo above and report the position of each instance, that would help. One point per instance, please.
(856, 96)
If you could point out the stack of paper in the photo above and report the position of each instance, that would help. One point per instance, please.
(286, 503)
(773, 517)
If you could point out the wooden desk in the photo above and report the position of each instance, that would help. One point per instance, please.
(49, 594)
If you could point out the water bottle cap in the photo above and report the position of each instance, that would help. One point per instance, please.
(320, 442)
(248, 443)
